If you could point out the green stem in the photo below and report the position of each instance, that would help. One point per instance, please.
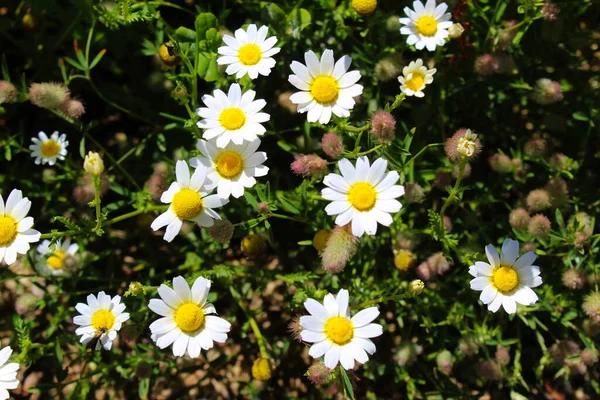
(351, 128)
(422, 151)
(453, 193)
(362, 153)
(98, 226)
(252, 321)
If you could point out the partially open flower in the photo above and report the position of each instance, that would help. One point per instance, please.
(464, 143)
(547, 91)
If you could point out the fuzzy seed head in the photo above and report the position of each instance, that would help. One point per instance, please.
(332, 144)
(563, 349)
(464, 143)
(573, 279)
(263, 207)
(73, 108)
(501, 163)
(8, 92)
(261, 369)
(388, 68)
(535, 147)
(48, 95)
(444, 362)
(591, 306)
(318, 374)
(547, 91)
(519, 218)
(467, 346)
(559, 192)
(558, 161)
(341, 246)
(309, 166)
(221, 231)
(383, 126)
(486, 65)
(539, 226)
(295, 329)
(404, 260)
(414, 193)
(538, 200)
(550, 11)
(502, 356)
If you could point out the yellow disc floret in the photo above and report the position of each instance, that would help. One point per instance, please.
(8, 230)
(364, 7)
(324, 89)
(362, 196)
(103, 320)
(339, 330)
(232, 118)
(187, 204)
(261, 369)
(189, 317)
(50, 148)
(56, 260)
(249, 54)
(427, 26)
(505, 279)
(416, 82)
(229, 164)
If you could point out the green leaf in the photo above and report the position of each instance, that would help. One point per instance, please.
(97, 59)
(74, 63)
(347, 384)
(580, 116)
(183, 34)
(203, 23)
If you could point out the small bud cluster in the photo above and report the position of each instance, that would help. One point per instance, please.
(383, 126)
(436, 264)
(309, 166)
(55, 96)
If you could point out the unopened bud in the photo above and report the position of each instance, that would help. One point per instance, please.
(444, 362)
(136, 289)
(221, 231)
(93, 164)
(455, 31)
(341, 246)
(404, 260)
(364, 7)
(416, 287)
(261, 369)
(309, 165)
(254, 246)
(318, 373)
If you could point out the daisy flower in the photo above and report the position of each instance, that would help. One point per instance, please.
(15, 227)
(506, 280)
(248, 52)
(53, 262)
(185, 322)
(337, 336)
(46, 150)
(8, 373)
(233, 116)
(102, 317)
(232, 168)
(426, 26)
(415, 78)
(326, 87)
(188, 201)
(363, 195)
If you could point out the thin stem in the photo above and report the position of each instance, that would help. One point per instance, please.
(461, 171)
(97, 204)
(362, 153)
(422, 151)
(260, 340)
(351, 128)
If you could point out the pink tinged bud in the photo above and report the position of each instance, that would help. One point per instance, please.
(573, 279)
(519, 218)
(558, 191)
(318, 373)
(383, 126)
(341, 246)
(8, 92)
(221, 231)
(489, 370)
(538, 200)
(309, 166)
(501, 163)
(263, 207)
(414, 193)
(48, 95)
(444, 362)
(502, 356)
(549, 11)
(73, 108)
(332, 144)
(539, 226)
(535, 147)
(591, 306)
(486, 65)
(547, 91)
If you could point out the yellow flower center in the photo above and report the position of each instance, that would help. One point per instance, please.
(364, 7)
(324, 89)
(427, 26)
(50, 148)
(250, 54)
(261, 369)
(189, 317)
(103, 320)
(8, 230)
(339, 330)
(187, 204)
(362, 196)
(229, 164)
(232, 118)
(55, 261)
(416, 82)
(505, 279)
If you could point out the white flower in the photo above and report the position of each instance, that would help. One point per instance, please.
(232, 168)
(326, 87)
(232, 117)
(336, 335)
(54, 261)
(426, 26)
(363, 196)
(248, 52)
(185, 322)
(415, 78)
(49, 149)
(8, 373)
(101, 318)
(506, 280)
(15, 227)
(189, 201)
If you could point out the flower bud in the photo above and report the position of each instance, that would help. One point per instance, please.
(320, 239)
(486, 65)
(589, 356)
(535, 147)
(73, 108)
(455, 31)
(221, 231)
(549, 11)
(284, 102)
(519, 218)
(538, 200)
(404, 260)
(263, 207)
(48, 95)
(467, 346)
(413, 193)
(388, 68)
(416, 287)
(318, 373)
(309, 166)
(573, 279)
(136, 289)
(93, 164)
(332, 144)
(489, 370)
(167, 54)
(341, 246)
(547, 91)
(463, 143)
(8, 92)
(501, 163)
(558, 161)
(444, 362)
(261, 369)
(539, 226)
(591, 306)
(180, 93)
(383, 126)
(254, 245)
(364, 7)
(558, 191)
(392, 24)
(502, 356)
